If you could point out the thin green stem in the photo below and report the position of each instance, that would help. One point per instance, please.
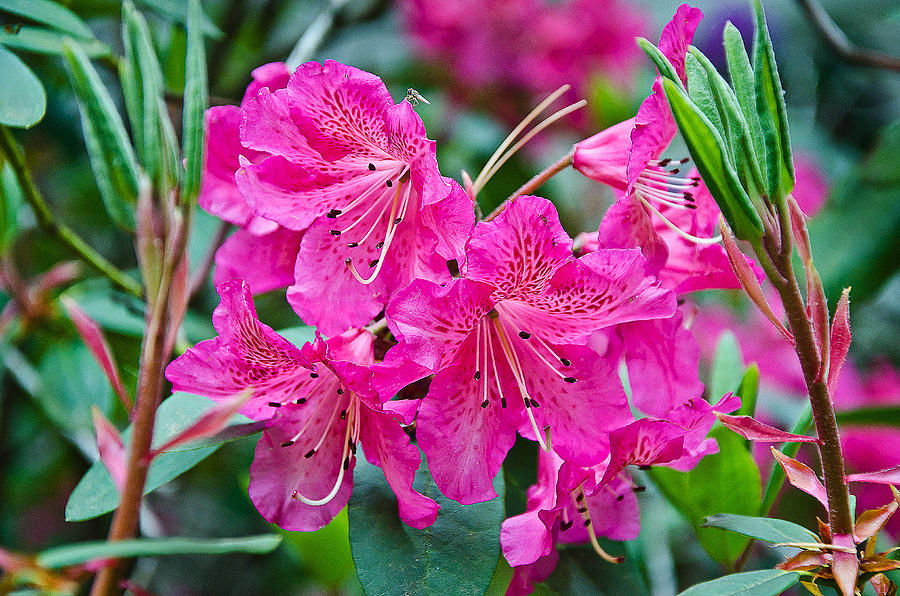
(48, 223)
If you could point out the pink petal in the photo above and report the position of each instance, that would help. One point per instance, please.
(802, 477)
(889, 476)
(654, 129)
(614, 510)
(840, 340)
(452, 221)
(525, 539)
(389, 448)
(92, 336)
(273, 75)
(810, 185)
(282, 191)
(678, 34)
(604, 156)
(526, 576)
(110, 447)
(627, 224)
(241, 254)
(393, 373)
(266, 126)
(209, 423)
(754, 430)
(845, 565)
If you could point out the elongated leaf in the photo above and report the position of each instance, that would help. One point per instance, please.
(72, 554)
(727, 368)
(96, 494)
(11, 200)
(761, 528)
(46, 41)
(662, 63)
(726, 482)
(195, 103)
(112, 157)
(776, 478)
(742, 81)
(766, 582)
(879, 416)
(177, 10)
(748, 391)
(771, 109)
(48, 13)
(710, 155)
(23, 101)
(456, 555)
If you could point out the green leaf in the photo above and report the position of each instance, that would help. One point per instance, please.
(771, 109)
(96, 494)
(195, 103)
(177, 10)
(710, 156)
(761, 528)
(879, 416)
(112, 158)
(73, 554)
(298, 335)
(45, 41)
(456, 555)
(727, 368)
(766, 582)
(23, 101)
(725, 482)
(742, 81)
(581, 571)
(776, 477)
(701, 93)
(748, 391)
(48, 13)
(662, 63)
(11, 200)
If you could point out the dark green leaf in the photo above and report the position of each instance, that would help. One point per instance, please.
(662, 63)
(725, 482)
(776, 477)
(710, 155)
(22, 98)
(883, 416)
(48, 13)
(96, 494)
(581, 571)
(456, 555)
(771, 109)
(742, 80)
(45, 41)
(10, 200)
(727, 367)
(748, 390)
(761, 528)
(766, 582)
(178, 12)
(195, 103)
(72, 554)
(112, 157)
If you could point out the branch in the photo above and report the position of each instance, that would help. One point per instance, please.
(48, 223)
(839, 42)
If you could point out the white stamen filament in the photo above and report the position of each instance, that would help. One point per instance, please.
(666, 198)
(689, 237)
(340, 478)
(388, 238)
(320, 405)
(378, 184)
(490, 350)
(375, 204)
(544, 360)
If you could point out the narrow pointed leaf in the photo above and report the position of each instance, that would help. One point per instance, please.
(177, 10)
(743, 83)
(870, 522)
(195, 103)
(662, 63)
(878, 416)
(806, 560)
(754, 430)
(48, 13)
(208, 424)
(800, 232)
(748, 391)
(802, 477)
(771, 109)
(110, 447)
(761, 528)
(73, 554)
(46, 41)
(23, 101)
(765, 582)
(840, 340)
(710, 155)
(888, 476)
(112, 158)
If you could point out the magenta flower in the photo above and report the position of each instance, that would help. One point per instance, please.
(572, 504)
(357, 173)
(508, 345)
(321, 405)
(258, 240)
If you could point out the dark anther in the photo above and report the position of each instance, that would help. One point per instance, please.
(620, 498)
(390, 184)
(347, 261)
(566, 525)
(644, 467)
(333, 213)
(287, 443)
(524, 334)
(569, 379)
(582, 510)
(502, 402)
(343, 414)
(398, 220)
(335, 232)
(373, 262)
(380, 245)
(340, 392)
(302, 400)
(534, 403)
(477, 374)
(674, 171)
(346, 462)
(313, 375)
(274, 404)
(663, 163)
(353, 245)
(587, 522)
(684, 160)
(579, 498)
(484, 404)
(309, 453)
(372, 167)
(565, 361)
(639, 489)
(688, 196)
(691, 206)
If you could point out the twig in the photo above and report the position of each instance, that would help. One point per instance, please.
(839, 42)
(204, 267)
(61, 232)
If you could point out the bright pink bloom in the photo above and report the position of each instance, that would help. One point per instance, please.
(357, 173)
(258, 240)
(320, 403)
(570, 504)
(508, 345)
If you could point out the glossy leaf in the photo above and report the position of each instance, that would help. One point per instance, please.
(456, 555)
(711, 158)
(23, 101)
(765, 582)
(46, 41)
(72, 554)
(47, 12)
(195, 103)
(761, 528)
(725, 482)
(112, 158)
(96, 494)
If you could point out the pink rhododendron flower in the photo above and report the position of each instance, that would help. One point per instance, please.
(321, 405)
(508, 345)
(571, 504)
(509, 52)
(357, 173)
(258, 240)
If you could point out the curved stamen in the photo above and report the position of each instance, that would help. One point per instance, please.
(375, 204)
(393, 224)
(340, 478)
(490, 350)
(676, 201)
(581, 506)
(679, 231)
